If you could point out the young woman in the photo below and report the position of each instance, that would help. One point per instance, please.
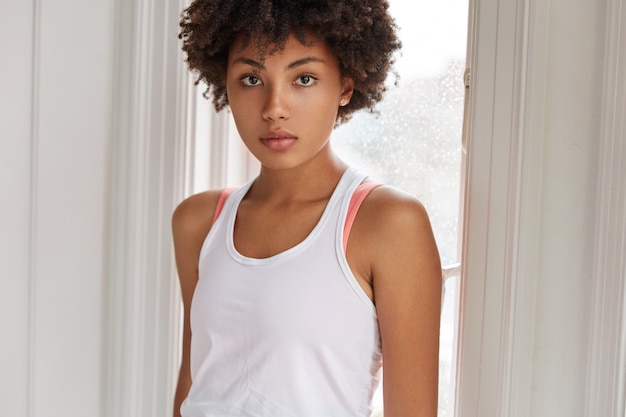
(300, 285)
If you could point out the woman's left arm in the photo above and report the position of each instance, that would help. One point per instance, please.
(407, 284)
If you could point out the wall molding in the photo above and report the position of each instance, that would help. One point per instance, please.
(606, 371)
(147, 159)
(33, 193)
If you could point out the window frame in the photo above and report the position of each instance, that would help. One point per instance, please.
(606, 369)
(508, 57)
(501, 202)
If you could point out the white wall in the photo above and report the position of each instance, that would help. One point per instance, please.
(55, 123)
(15, 219)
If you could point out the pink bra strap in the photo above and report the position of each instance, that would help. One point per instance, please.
(356, 200)
(221, 201)
(361, 192)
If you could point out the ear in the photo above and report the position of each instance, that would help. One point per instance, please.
(347, 84)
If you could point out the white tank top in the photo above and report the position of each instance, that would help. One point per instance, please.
(293, 335)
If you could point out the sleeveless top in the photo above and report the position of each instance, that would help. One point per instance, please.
(292, 335)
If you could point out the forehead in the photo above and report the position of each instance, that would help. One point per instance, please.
(263, 49)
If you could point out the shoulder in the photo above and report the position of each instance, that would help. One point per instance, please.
(393, 228)
(194, 215)
(392, 212)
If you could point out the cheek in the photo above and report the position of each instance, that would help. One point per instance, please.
(242, 108)
(325, 109)
(244, 122)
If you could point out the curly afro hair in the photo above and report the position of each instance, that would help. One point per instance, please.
(361, 33)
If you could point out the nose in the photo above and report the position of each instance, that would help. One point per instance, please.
(276, 105)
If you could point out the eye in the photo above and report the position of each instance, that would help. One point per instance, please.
(306, 80)
(250, 80)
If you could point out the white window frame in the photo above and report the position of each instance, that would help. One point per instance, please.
(502, 199)
(506, 56)
(150, 106)
(606, 368)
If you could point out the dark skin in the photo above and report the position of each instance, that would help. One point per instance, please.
(391, 250)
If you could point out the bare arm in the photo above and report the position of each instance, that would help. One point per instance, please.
(190, 224)
(407, 285)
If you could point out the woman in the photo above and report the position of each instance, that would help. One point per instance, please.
(299, 285)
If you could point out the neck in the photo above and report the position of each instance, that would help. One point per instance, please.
(313, 180)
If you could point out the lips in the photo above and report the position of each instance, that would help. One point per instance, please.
(279, 140)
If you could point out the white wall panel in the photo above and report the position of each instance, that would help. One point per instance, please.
(16, 38)
(54, 167)
(73, 78)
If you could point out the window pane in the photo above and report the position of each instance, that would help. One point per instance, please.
(415, 141)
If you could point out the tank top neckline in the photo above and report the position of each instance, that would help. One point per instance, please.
(350, 177)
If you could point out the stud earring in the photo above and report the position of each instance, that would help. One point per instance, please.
(343, 102)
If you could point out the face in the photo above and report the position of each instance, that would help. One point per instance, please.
(285, 106)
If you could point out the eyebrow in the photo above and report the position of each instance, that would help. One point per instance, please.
(304, 61)
(297, 63)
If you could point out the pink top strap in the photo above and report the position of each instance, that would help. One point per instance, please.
(221, 201)
(361, 192)
(356, 200)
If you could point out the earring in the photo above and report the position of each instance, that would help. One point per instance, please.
(343, 102)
